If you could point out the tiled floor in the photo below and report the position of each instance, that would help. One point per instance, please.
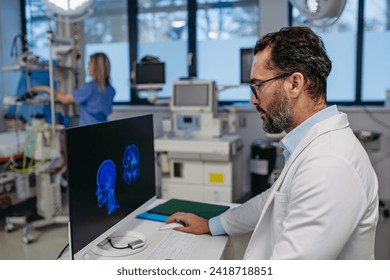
(51, 241)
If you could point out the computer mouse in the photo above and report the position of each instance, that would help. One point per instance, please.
(172, 225)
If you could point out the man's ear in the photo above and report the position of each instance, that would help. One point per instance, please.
(296, 84)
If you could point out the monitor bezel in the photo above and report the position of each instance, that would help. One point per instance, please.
(151, 82)
(124, 220)
(211, 97)
(244, 53)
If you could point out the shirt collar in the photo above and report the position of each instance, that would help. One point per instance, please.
(292, 139)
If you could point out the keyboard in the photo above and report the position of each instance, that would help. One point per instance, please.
(174, 246)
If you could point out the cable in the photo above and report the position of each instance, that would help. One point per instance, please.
(119, 248)
(30, 168)
(63, 250)
(16, 129)
(14, 49)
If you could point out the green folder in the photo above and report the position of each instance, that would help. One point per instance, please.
(205, 210)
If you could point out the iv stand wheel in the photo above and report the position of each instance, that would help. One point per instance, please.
(9, 227)
(27, 238)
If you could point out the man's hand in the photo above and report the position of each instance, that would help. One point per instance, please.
(193, 223)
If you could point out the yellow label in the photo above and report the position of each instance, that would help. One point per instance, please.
(216, 177)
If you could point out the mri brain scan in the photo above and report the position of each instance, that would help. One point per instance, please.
(105, 180)
(131, 164)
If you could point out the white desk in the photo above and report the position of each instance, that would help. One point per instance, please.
(207, 247)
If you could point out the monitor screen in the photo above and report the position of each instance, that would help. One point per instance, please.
(150, 73)
(110, 174)
(191, 94)
(246, 59)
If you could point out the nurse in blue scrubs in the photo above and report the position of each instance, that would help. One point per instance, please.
(94, 98)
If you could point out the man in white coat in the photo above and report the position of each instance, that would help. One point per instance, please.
(324, 205)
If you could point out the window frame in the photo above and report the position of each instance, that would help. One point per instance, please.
(192, 5)
(359, 61)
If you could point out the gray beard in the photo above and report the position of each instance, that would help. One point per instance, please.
(278, 117)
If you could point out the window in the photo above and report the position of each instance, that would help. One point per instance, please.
(163, 33)
(163, 30)
(341, 81)
(376, 55)
(107, 31)
(357, 47)
(223, 28)
(36, 28)
(218, 30)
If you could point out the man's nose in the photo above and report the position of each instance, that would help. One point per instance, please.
(254, 100)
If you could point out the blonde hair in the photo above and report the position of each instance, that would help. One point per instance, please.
(100, 70)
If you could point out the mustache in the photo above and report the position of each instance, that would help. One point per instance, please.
(259, 109)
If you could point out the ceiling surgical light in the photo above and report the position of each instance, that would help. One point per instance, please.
(320, 13)
(312, 6)
(178, 23)
(74, 10)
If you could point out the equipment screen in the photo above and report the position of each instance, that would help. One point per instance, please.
(150, 73)
(110, 174)
(191, 95)
(246, 59)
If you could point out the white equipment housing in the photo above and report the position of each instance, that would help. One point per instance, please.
(205, 170)
(198, 162)
(194, 109)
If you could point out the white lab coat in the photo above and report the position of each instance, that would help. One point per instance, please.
(324, 205)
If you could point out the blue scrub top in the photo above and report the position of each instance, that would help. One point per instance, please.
(94, 105)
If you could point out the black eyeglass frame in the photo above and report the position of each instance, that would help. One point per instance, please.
(254, 85)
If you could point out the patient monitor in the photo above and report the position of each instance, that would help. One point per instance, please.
(198, 162)
(194, 109)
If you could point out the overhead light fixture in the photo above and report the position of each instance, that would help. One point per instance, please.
(178, 23)
(320, 13)
(213, 35)
(312, 6)
(74, 10)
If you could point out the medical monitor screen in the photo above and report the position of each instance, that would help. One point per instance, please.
(150, 73)
(191, 95)
(110, 174)
(246, 59)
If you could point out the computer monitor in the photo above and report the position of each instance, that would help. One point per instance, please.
(246, 59)
(149, 75)
(110, 175)
(194, 96)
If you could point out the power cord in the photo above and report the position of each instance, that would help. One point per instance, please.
(115, 247)
(62, 252)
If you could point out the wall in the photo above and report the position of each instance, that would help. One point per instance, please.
(273, 15)
(359, 120)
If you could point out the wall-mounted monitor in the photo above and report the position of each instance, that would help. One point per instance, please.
(149, 75)
(111, 175)
(246, 59)
(194, 96)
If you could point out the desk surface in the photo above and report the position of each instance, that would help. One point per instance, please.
(207, 247)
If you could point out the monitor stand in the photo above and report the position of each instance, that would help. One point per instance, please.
(120, 240)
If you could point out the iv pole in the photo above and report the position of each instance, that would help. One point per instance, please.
(50, 38)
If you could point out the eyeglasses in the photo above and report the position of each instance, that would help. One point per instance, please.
(257, 85)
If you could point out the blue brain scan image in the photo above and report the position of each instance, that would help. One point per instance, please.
(131, 164)
(105, 180)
